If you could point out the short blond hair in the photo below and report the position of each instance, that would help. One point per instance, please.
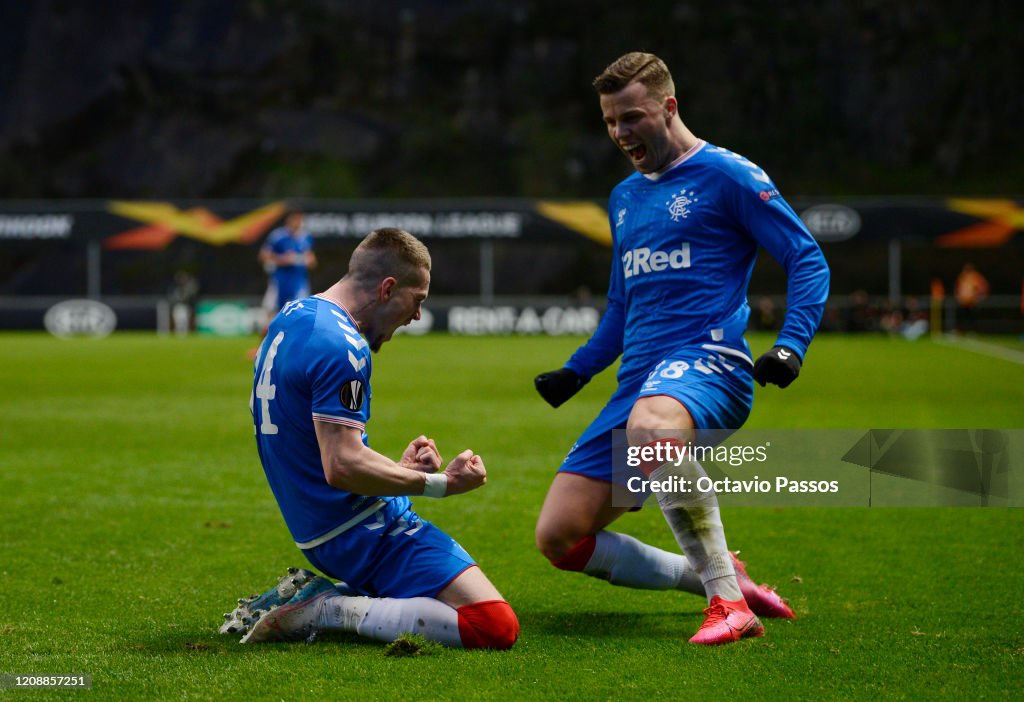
(389, 252)
(636, 67)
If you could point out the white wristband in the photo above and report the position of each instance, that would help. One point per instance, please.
(436, 485)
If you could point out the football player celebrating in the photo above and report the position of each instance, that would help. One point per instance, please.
(686, 228)
(347, 506)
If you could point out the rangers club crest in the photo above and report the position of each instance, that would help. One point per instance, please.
(679, 204)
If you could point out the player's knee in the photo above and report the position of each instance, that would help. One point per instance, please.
(656, 418)
(644, 428)
(490, 624)
(552, 545)
(555, 543)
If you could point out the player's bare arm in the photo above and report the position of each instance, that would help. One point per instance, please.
(352, 466)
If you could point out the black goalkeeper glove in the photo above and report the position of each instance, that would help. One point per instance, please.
(779, 366)
(557, 386)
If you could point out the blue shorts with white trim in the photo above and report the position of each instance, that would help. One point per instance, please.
(392, 554)
(713, 384)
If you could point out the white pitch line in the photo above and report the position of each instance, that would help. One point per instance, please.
(982, 347)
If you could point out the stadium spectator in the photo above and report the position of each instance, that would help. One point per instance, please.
(891, 318)
(915, 319)
(860, 315)
(345, 505)
(971, 288)
(182, 296)
(686, 227)
(908, 320)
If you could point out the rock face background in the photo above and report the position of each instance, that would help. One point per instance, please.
(464, 98)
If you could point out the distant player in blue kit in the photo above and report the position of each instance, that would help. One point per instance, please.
(287, 255)
(347, 506)
(686, 228)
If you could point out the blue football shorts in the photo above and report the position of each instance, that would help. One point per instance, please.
(714, 385)
(392, 554)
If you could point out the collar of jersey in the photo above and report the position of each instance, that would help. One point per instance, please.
(687, 155)
(341, 307)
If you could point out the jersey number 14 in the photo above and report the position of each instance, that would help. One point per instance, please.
(265, 390)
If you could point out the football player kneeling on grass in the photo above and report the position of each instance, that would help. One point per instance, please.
(347, 506)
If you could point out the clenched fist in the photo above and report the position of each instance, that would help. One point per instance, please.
(779, 366)
(421, 455)
(557, 386)
(466, 472)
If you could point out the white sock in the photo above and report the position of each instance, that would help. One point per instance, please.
(623, 560)
(385, 619)
(343, 612)
(697, 525)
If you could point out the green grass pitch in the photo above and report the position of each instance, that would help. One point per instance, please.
(134, 511)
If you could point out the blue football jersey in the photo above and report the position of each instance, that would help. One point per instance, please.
(684, 244)
(281, 241)
(313, 365)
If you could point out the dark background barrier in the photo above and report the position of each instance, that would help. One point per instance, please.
(513, 247)
(392, 98)
(207, 112)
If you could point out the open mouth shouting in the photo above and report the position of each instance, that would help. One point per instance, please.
(636, 152)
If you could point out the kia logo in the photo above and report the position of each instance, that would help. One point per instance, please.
(831, 222)
(80, 318)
